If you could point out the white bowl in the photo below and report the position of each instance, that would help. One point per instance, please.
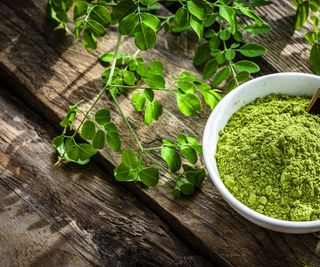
(284, 83)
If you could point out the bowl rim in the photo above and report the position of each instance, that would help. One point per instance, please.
(215, 177)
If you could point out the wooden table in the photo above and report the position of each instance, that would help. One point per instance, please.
(79, 216)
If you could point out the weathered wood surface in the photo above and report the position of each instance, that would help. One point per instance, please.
(26, 239)
(49, 77)
(71, 216)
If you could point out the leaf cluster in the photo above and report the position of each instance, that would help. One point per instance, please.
(310, 9)
(98, 132)
(185, 148)
(219, 27)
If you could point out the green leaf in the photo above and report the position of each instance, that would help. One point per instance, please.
(152, 112)
(130, 159)
(209, 69)
(252, 50)
(238, 36)
(310, 37)
(88, 130)
(79, 9)
(189, 153)
(256, 29)
(197, 9)
(210, 20)
(123, 8)
(129, 78)
(188, 77)
(246, 65)
(214, 42)
(202, 54)
(251, 14)
(315, 58)
(128, 24)
(151, 21)
(185, 187)
(68, 119)
(195, 144)
(101, 15)
(186, 87)
(108, 57)
(211, 97)
(113, 138)
(194, 175)
(142, 69)
(145, 37)
(73, 153)
(182, 139)
(222, 75)
(58, 141)
(129, 167)
(181, 17)
(172, 158)
(149, 94)
(221, 57)
(86, 151)
(231, 84)
(302, 15)
(99, 140)
(96, 28)
(176, 193)
(224, 35)
(242, 76)
(123, 173)
(139, 101)
(189, 104)
(102, 116)
(155, 81)
(197, 26)
(147, 2)
(149, 176)
(314, 5)
(156, 67)
(256, 3)
(230, 54)
(88, 40)
(229, 15)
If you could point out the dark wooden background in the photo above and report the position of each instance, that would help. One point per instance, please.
(79, 216)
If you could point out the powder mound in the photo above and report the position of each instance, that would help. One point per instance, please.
(268, 157)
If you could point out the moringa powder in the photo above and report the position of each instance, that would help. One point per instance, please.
(268, 157)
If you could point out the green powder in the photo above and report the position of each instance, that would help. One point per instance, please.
(268, 157)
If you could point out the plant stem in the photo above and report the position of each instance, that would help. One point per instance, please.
(230, 65)
(136, 87)
(152, 148)
(127, 122)
(103, 90)
(233, 73)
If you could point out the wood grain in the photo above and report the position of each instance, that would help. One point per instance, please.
(71, 216)
(49, 77)
(26, 239)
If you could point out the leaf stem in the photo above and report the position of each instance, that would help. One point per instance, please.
(230, 65)
(135, 87)
(127, 122)
(105, 87)
(152, 148)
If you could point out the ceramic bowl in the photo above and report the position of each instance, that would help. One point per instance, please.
(293, 84)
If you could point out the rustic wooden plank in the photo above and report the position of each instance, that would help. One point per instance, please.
(53, 80)
(288, 50)
(42, 207)
(27, 240)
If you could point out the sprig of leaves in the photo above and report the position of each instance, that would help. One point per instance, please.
(310, 9)
(219, 28)
(221, 53)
